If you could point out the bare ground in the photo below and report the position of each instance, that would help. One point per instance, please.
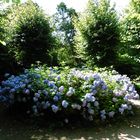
(17, 129)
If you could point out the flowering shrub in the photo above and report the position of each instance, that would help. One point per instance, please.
(92, 94)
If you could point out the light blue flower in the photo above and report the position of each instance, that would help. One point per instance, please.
(96, 76)
(124, 106)
(58, 77)
(27, 91)
(90, 111)
(55, 108)
(111, 114)
(103, 117)
(69, 93)
(131, 88)
(96, 83)
(94, 92)
(29, 86)
(136, 96)
(104, 87)
(55, 98)
(65, 103)
(51, 84)
(12, 90)
(90, 118)
(84, 103)
(121, 110)
(45, 92)
(86, 78)
(61, 89)
(37, 95)
(96, 103)
(35, 99)
(71, 89)
(47, 104)
(129, 107)
(114, 99)
(103, 112)
(76, 106)
(46, 81)
(89, 97)
(23, 86)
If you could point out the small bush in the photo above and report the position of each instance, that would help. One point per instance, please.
(90, 93)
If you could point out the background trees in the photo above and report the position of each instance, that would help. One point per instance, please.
(98, 33)
(28, 34)
(64, 31)
(130, 34)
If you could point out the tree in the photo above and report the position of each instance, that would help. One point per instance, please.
(64, 31)
(98, 34)
(130, 36)
(28, 34)
(63, 23)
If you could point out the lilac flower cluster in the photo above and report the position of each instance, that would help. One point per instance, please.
(105, 94)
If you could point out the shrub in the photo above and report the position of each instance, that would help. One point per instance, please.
(98, 34)
(28, 34)
(90, 93)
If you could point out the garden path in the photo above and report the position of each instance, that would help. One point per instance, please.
(127, 129)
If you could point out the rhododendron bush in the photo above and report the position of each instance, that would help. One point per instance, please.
(91, 93)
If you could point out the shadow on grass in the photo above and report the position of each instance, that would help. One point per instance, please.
(14, 128)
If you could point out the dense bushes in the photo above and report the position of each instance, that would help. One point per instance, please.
(98, 33)
(130, 39)
(7, 63)
(89, 93)
(92, 94)
(28, 34)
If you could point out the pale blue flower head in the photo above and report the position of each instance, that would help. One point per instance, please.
(96, 76)
(58, 77)
(91, 111)
(89, 97)
(69, 93)
(46, 81)
(65, 103)
(124, 106)
(37, 95)
(103, 117)
(103, 112)
(35, 99)
(55, 108)
(61, 89)
(121, 110)
(90, 118)
(12, 90)
(27, 91)
(111, 114)
(55, 98)
(96, 103)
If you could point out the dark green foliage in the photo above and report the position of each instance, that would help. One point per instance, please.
(5, 60)
(28, 34)
(98, 34)
(130, 35)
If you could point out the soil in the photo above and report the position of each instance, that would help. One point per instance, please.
(14, 128)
